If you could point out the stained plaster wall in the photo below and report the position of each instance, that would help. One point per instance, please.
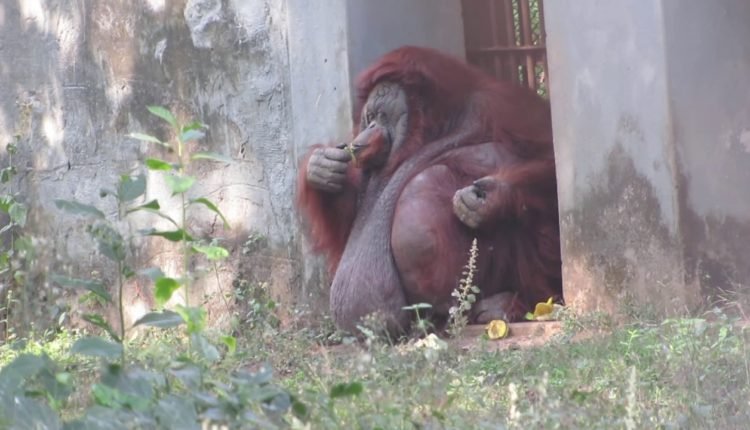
(75, 78)
(650, 116)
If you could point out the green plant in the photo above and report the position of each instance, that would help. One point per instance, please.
(422, 325)
(17, 252)
(180, 182)
(465, 294)
(187, 392)
(113, 245)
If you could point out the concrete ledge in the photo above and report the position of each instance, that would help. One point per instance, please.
(521, 335)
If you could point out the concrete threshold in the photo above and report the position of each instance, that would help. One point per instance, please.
(521, 335)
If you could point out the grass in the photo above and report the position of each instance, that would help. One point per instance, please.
(680, 373)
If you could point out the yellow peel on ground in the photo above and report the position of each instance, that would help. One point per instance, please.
(543, 309)
(497, 329)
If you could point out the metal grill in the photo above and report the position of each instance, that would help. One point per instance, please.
(506, 38)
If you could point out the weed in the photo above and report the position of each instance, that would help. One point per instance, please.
(465, 294)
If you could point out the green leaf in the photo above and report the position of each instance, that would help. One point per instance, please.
(212, 207)
(163, 319)
(179, 184)
(110, 241)
(192, 134)
(188, 373)
(195, 125)
(156, 164)
(127, 272)
(213, 253)
(164, 114)
(174, 412)
(96, 346)
(174, 236)
(194, 317)
(230, 342)
(114, 398)
(5, 202)
(213, 156)
(299, 409)
(100, 322)
(23, 367)
(147, 138)
(94, 286)
(153, 205)
(26, 413)
(131, 188)
(18, 213)
(164, 289)
(204, 348)
(346, 390)
(78, 208)
(6, 174)
(153, 208)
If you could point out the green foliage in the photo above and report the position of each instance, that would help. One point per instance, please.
(180, 394)
(114, 245)
(421, 325)
(16, 251)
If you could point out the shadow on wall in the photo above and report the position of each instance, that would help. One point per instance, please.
(80, 77)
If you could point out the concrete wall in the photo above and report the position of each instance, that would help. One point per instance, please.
(708, 61)
(649, 110)
(75, 78)
(376, 27)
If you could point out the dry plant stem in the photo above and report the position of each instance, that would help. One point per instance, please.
(218, 283)
(9, 296)
(121, 310)
(183, 242)
(465, 294)
(120, 285)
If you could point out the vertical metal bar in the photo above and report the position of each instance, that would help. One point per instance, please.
(525, 17)
(543, 41)
(495, 36)
(510, 33)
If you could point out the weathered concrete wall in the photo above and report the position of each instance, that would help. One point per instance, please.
(321, 103)
(75, 78)
(639, 123)
(378, 27)
(708, 62)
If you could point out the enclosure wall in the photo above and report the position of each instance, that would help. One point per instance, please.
(650, 112)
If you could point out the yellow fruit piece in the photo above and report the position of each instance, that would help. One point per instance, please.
(497, 329)
(543, 309)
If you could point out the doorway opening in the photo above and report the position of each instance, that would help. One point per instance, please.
(506, 38)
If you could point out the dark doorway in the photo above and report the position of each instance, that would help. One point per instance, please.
(506, 38)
